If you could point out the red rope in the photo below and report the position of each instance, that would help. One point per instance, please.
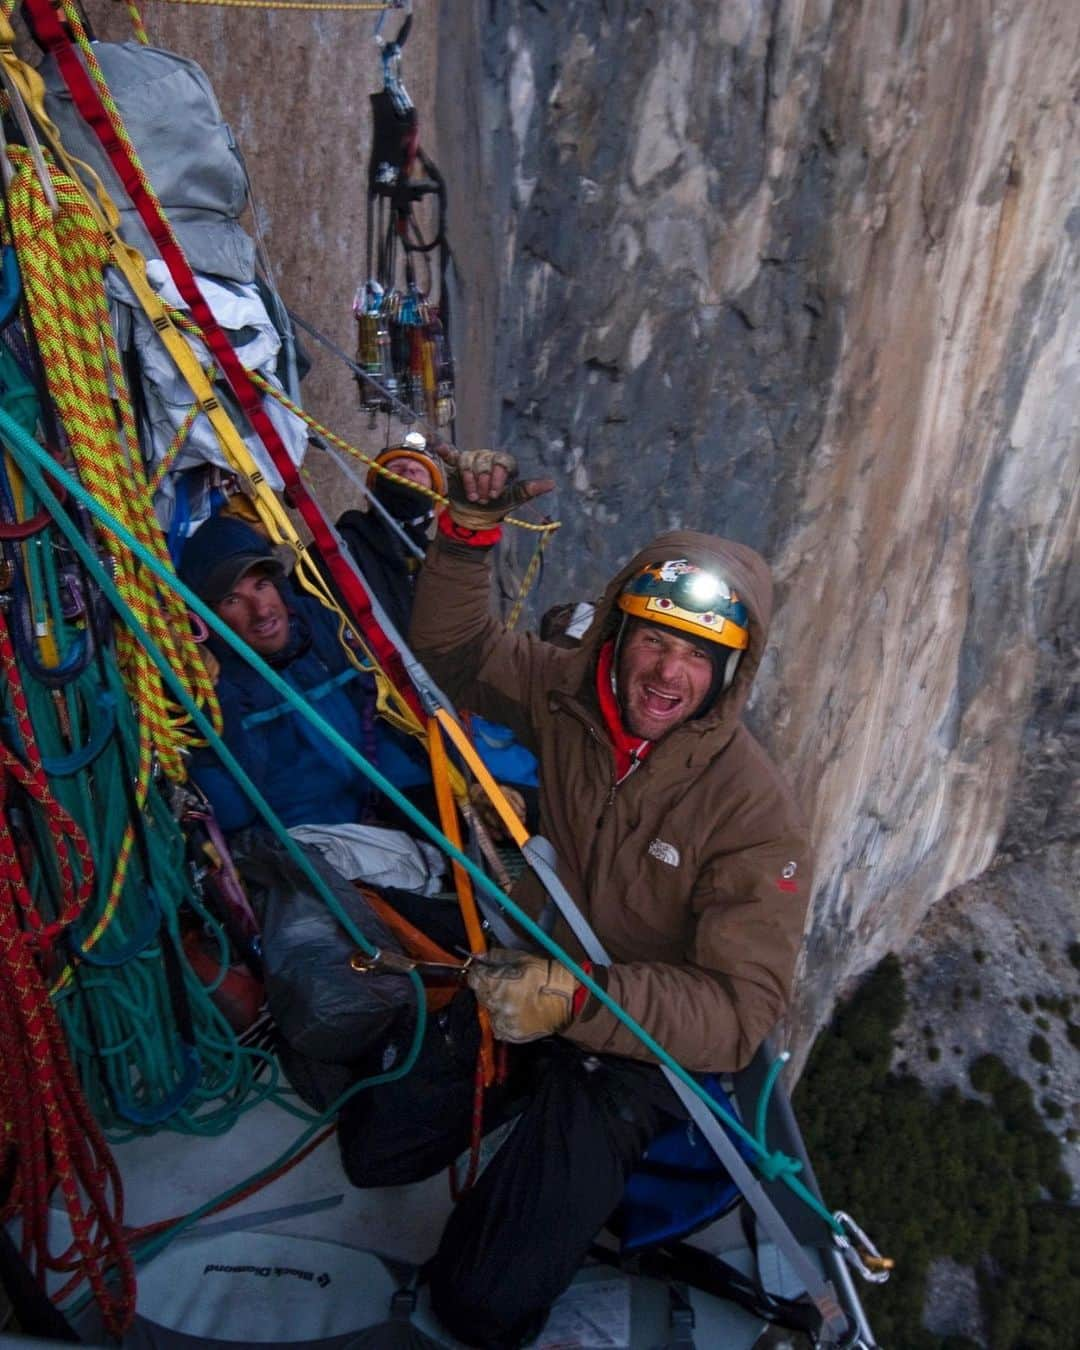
(458, 1189)
(151, 1229)
(91, 108)
(50, 1139)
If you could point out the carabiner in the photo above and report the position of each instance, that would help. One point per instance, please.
(865, 1259)
(396, 963)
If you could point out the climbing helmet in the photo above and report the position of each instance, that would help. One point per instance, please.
(681, 595)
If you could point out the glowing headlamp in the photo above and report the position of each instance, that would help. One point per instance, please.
(699, 591)
(682, 595)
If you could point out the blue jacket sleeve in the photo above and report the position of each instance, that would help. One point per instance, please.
(229, 802)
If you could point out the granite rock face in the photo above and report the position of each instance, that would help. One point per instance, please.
(806, 274)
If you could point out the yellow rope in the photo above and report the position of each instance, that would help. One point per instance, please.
(137, 25)
(548, 527)
(527, 580)
(344, 5)
(172, 452)
(61, 262)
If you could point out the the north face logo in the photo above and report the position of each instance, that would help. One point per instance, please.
(663, 852)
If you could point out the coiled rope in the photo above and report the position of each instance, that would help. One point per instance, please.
(51, 1138)
(773, 1162)
(61, 262)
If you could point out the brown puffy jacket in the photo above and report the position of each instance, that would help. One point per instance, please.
(695, 872)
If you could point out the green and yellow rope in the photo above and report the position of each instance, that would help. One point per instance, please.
(61, 262)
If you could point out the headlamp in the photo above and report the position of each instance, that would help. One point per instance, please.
(699, 591)
(684, 596)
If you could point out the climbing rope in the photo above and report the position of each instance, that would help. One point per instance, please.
(775, 1163)
(132, 1025)
(137, 25)
(546, 528)
(61, 261)
(50, 1137)
(528, 580)
(359, 6)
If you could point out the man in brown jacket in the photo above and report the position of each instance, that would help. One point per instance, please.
(678, 841)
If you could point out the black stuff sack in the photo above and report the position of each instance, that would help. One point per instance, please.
(324, 1010)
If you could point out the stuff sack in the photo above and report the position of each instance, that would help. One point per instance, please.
(324, 1011)
(186, 147)
(679, 1185)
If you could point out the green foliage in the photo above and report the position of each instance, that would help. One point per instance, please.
(942, 1176)
(1055, 1003)
(1073, 1033)
(988, 1074)
(1073, 953)
(1039, 1049)
(1025, 1003)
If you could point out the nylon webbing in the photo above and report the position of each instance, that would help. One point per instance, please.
(29, 89)
(89, 104)
(816, 1285)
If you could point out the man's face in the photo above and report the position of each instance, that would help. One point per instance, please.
(255, 611)
(662, 679)
(413, 471)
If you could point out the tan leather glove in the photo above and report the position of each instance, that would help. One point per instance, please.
(483, 488)
(489, 817)
(526, 996)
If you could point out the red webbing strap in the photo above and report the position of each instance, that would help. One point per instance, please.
(90, 107)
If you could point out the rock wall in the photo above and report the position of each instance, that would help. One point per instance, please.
(804, 274)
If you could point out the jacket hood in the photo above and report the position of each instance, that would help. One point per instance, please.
(745, 571)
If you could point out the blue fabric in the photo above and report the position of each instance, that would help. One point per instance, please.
(401, 758)
(219, 538)
(679, 1185)
(304, 778)
(505, 757)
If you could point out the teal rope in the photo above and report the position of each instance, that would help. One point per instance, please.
(30, 469)
(779, 1162)
(118, 1020)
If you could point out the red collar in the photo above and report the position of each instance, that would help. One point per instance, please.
(629, 750)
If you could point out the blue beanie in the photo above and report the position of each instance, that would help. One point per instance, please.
(220, 553)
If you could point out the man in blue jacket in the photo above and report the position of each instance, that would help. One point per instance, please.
(304, 779)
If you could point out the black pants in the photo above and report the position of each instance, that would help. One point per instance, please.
(516, 1239)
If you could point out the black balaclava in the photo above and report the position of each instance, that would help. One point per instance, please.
(411, 509)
